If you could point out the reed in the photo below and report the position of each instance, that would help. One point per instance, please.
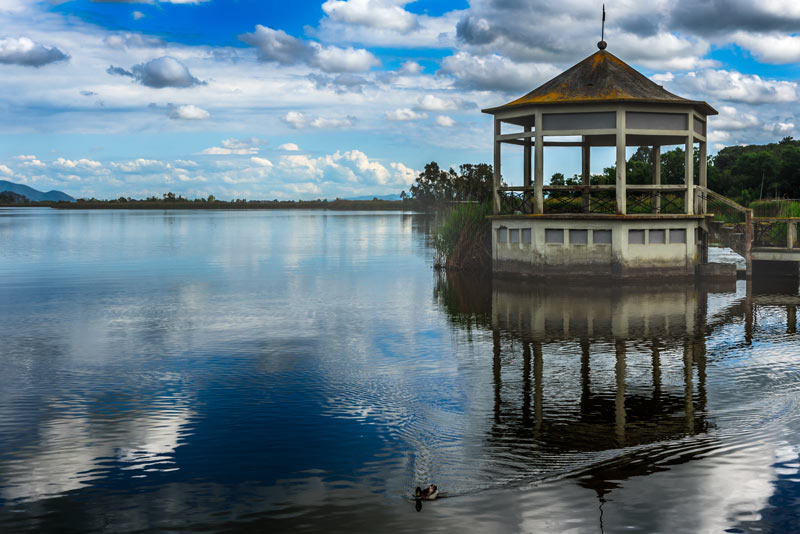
(776, 208)
(464, 241)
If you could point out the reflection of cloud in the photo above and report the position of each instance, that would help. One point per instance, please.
(73, 451)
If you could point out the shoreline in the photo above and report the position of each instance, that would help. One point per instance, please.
(334, 205)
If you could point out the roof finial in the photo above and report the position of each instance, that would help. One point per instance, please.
(602, 44)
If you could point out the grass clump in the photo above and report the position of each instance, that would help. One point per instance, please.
(776, 208)
(464, 240)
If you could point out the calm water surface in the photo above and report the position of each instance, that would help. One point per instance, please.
(304, 371)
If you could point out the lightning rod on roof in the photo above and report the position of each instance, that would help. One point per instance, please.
(602, 44)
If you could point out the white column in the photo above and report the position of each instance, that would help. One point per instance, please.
(586, 175)
(656, 178)
(622, 193)
(496, 166)
(538, 171)
(703, 178)
(527, 172)
(689, 171)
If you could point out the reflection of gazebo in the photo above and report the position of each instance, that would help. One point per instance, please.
(626, 411)
(607, 103)
(597, 229)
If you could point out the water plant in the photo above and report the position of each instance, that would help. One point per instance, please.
(464, 241)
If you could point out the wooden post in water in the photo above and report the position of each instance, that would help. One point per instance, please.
(619, 401)
(538, 394)
(748, 242)
(688, 386)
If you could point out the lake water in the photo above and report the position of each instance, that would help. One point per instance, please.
(273, 371)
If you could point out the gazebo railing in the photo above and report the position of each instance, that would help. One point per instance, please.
(594, 199)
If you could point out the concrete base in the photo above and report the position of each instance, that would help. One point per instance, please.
(716, 271)
(776, 269)
(587, 245)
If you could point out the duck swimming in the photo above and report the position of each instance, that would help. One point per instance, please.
(428, 494)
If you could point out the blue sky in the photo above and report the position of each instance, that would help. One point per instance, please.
(259, 99)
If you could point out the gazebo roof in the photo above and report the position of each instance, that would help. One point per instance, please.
(601, 78)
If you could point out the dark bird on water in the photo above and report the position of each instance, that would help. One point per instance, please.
(428, 494)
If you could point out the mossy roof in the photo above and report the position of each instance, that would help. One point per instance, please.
(601, 78)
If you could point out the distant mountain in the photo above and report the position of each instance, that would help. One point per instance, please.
(395, 196)
(34, 195)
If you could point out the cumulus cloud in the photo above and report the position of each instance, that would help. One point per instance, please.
(121, 41)
(411, 67)
(376, 14)
(82, 164)
(405, 114)
(444, 120)
(234, 147)
(280, 47)
(261, 162)
(343, 83)
(771, 48)
(158, 73)
(738, 87)
(5, 170)
(187, 112)
(298, 120)
(431, 102)
(718, 16)
(289, 147)
(23, 51)
(350, 167)
(495, 72)
(138, 165)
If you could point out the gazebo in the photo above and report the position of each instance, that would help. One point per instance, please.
(588, 227)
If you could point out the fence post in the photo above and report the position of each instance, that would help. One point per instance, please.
(791, 233)
(748, 242)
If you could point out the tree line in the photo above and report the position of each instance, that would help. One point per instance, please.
(742, 173)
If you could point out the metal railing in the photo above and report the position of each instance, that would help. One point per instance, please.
(594, 199)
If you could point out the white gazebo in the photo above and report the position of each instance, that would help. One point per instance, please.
(591, 227)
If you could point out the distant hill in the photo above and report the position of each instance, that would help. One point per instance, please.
(395, 196)
(34, 195)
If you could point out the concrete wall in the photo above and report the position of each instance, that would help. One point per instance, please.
(620, 258)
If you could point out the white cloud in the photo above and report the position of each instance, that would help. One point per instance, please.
(159, 73)
(188, 112)
(772, 48)
(261, 162)
(494, 72)
(5, 170)
(222, 151)
(411, 67)
(663, 77)
(234, 147)
(738, 87)
(138, 165)
(132, 40)
(376, 14)
(444, 120)
(24, 51)
(405, 114)
(137, 15)
(80, 163)
(31, 161)
(431, 102)
(298, 120)
(289, 147)
(280, 47)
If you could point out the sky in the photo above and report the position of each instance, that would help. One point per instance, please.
(263, 99)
